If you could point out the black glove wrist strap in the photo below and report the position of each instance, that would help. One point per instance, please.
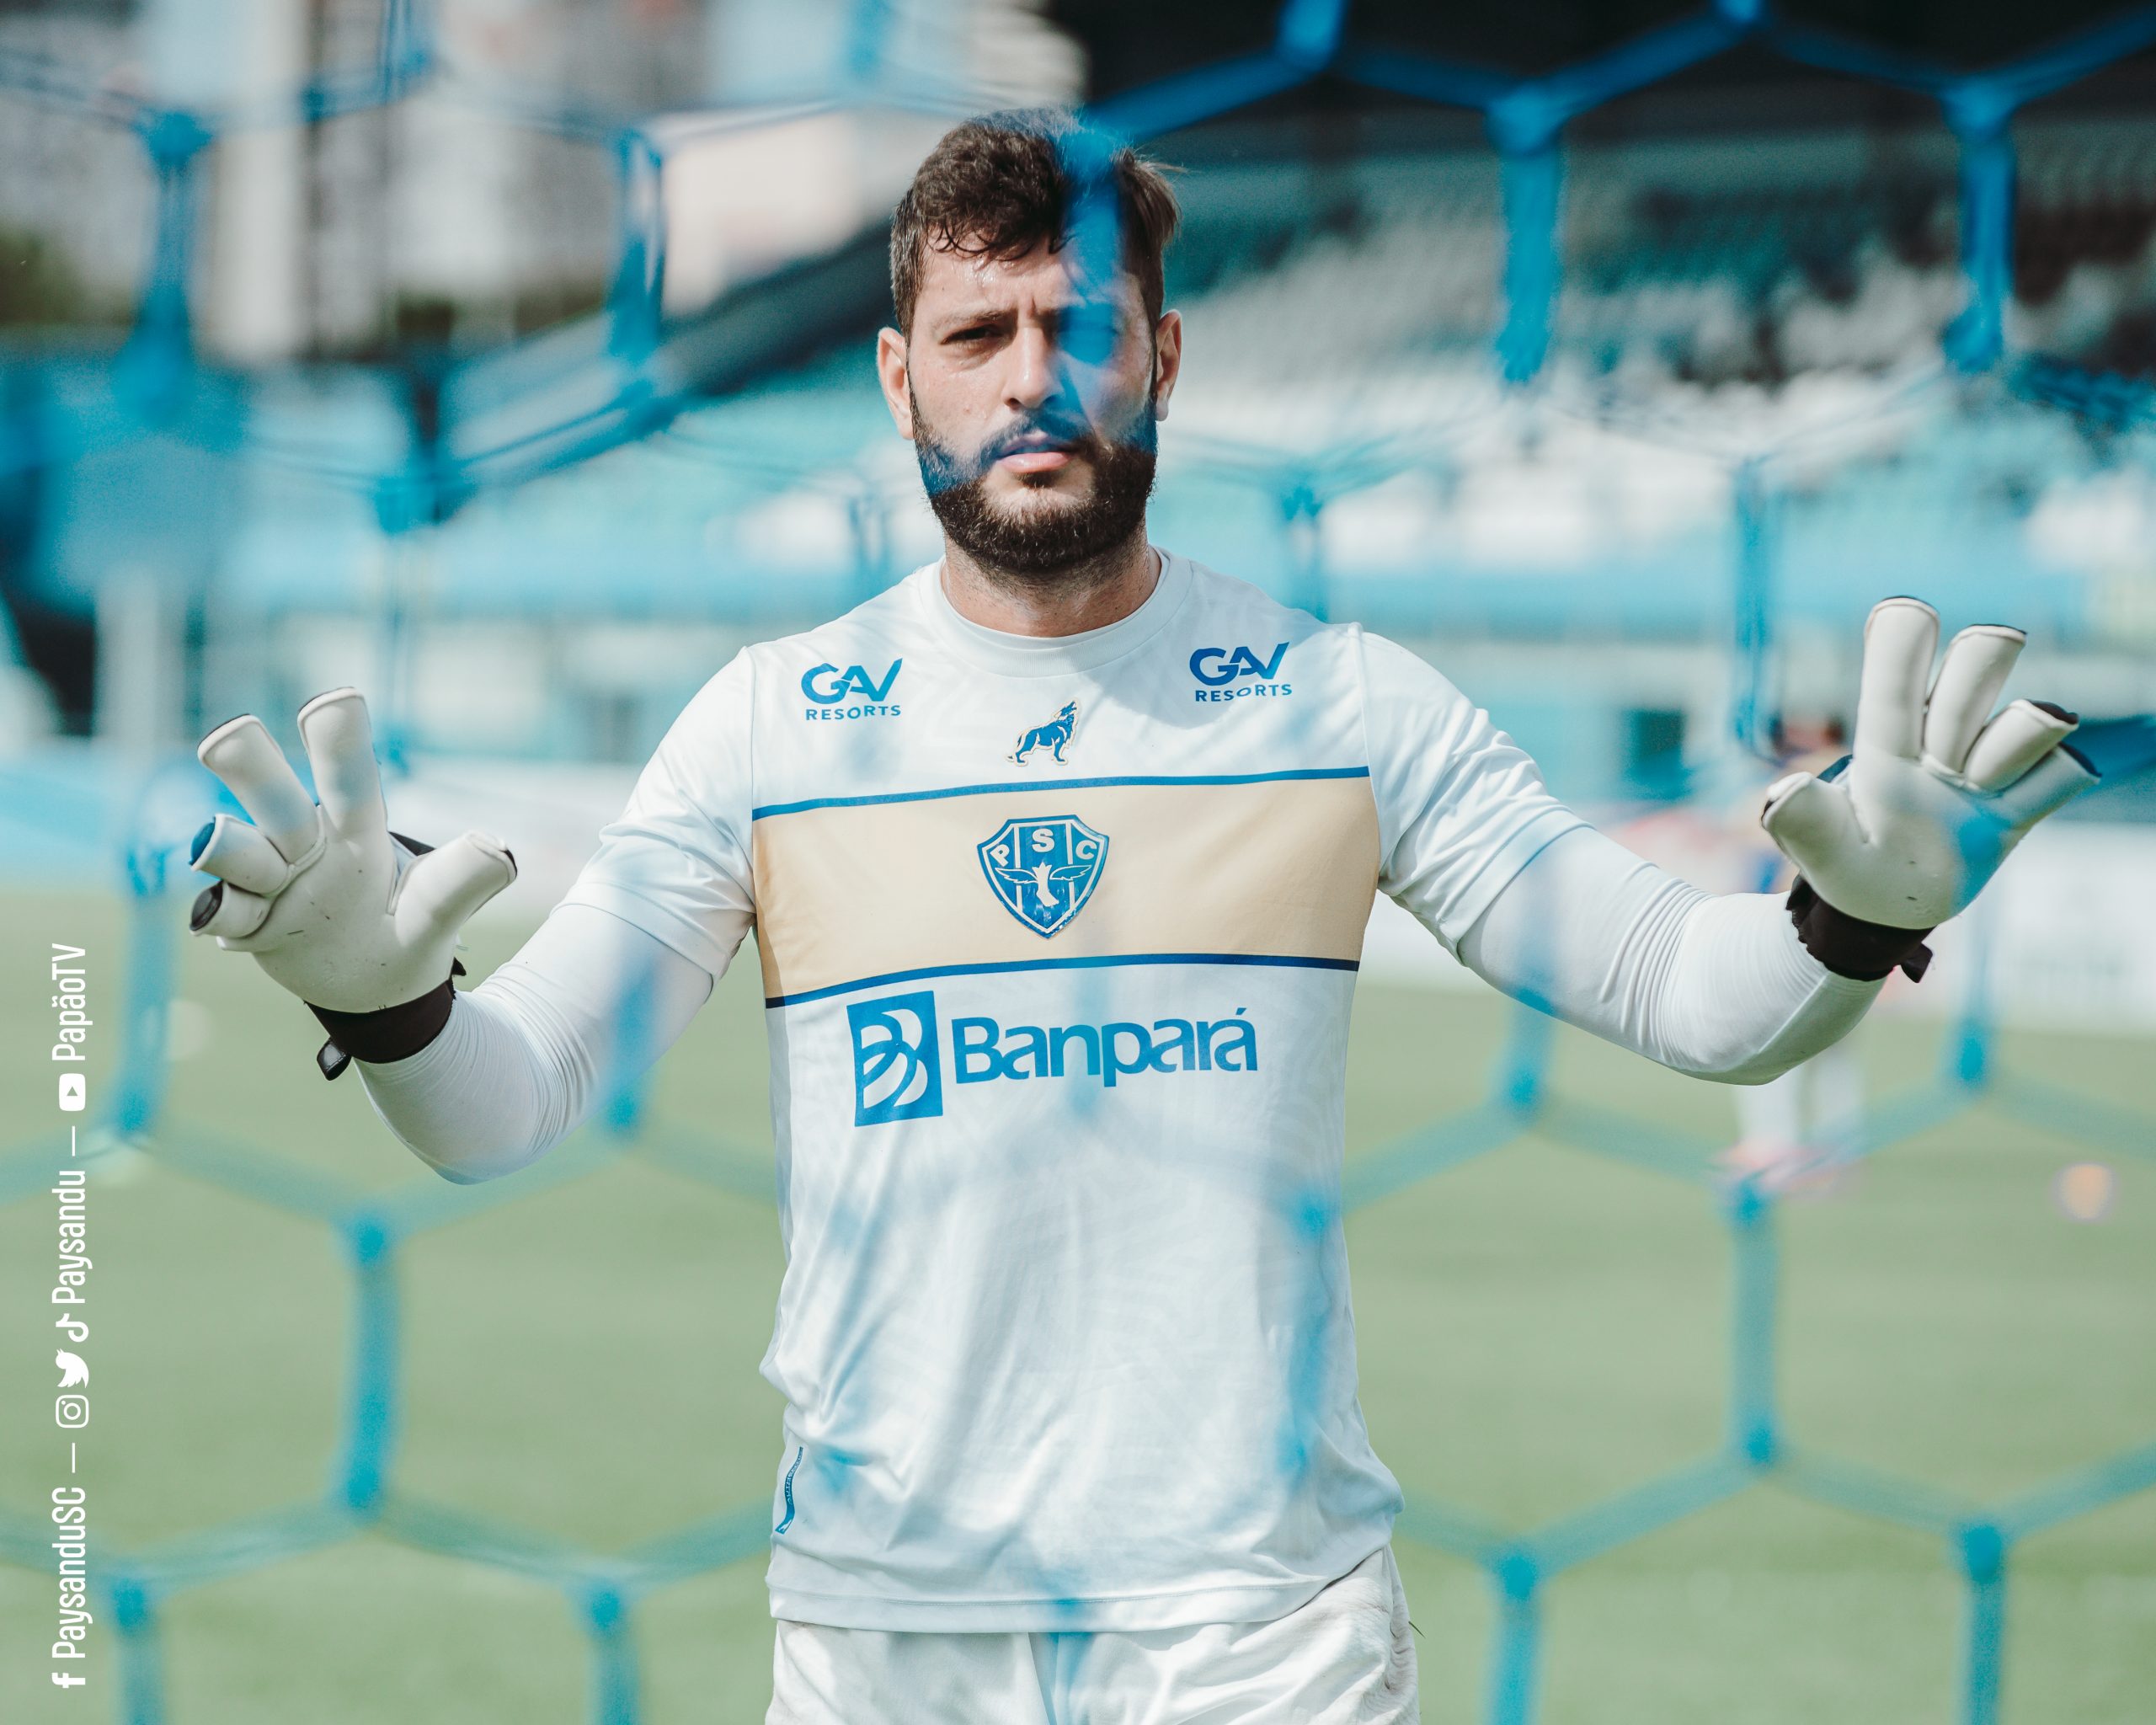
(393, 1033)
(1848, 946)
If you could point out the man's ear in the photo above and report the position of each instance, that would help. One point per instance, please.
(1167, 361)
(891, 375)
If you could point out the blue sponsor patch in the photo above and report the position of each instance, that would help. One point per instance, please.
(1225, 672)
(854, 692)
(897, 1072)
(897, 1066)
(982, 1049)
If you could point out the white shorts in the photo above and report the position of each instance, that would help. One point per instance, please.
(1346, 1657)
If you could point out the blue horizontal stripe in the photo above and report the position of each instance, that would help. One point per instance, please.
(1279, 961)
(1058, 784)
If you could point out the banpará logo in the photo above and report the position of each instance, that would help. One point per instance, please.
(1042, 868)
(897, 1066)
(982, 1049)
(851, 693)
(1227, 674)
(897, 1072)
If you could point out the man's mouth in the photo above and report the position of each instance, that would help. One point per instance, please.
(1035, 461)
(1037, 453)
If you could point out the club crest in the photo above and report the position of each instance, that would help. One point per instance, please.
(1043, 869)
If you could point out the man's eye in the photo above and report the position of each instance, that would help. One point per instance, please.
(1089, 333)
(979, 332)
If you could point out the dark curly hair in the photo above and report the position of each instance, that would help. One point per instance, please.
(1002, 184)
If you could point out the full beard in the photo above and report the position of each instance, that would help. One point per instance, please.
(1061, 544)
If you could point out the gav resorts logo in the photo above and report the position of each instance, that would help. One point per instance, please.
(898, 1052)
(897, 1066)
(1229, 673)
(1043, 869)
(851, 693)
(1055, 736)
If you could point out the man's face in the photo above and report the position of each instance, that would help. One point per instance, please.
(1030, 396)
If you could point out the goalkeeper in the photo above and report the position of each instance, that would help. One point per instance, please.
(1058, 856)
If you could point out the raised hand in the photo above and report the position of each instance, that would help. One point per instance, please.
(1937, 791)
(335, 908)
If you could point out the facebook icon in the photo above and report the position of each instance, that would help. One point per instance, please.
(898, 1067)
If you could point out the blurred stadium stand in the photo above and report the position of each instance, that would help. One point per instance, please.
(1757, 261)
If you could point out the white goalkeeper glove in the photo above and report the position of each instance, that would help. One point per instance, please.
(359, 923)
(1905, 832)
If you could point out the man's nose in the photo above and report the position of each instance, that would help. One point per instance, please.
(1036, 369)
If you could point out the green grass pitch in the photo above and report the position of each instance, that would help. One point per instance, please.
(1538, 1328)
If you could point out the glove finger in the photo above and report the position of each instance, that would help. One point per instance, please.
(2015, 741)
(1974, 671)
(340, 746)
(229, 912)
(1811, 821)
(243, 754)
(443, 888)
(1899, 637)
(233, 851)
(2057, 779)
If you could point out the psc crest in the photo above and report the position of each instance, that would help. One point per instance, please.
(1042, 869)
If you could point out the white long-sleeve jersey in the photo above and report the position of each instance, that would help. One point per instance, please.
(1058, 939)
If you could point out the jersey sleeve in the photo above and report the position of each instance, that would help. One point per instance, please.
(675, 864)
(1461, 807)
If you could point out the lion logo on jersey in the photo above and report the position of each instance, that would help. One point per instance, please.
(1042, 868)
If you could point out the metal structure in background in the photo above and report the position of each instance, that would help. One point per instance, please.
(156, 386)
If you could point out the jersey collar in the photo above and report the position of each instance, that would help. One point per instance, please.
(1050, 656)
